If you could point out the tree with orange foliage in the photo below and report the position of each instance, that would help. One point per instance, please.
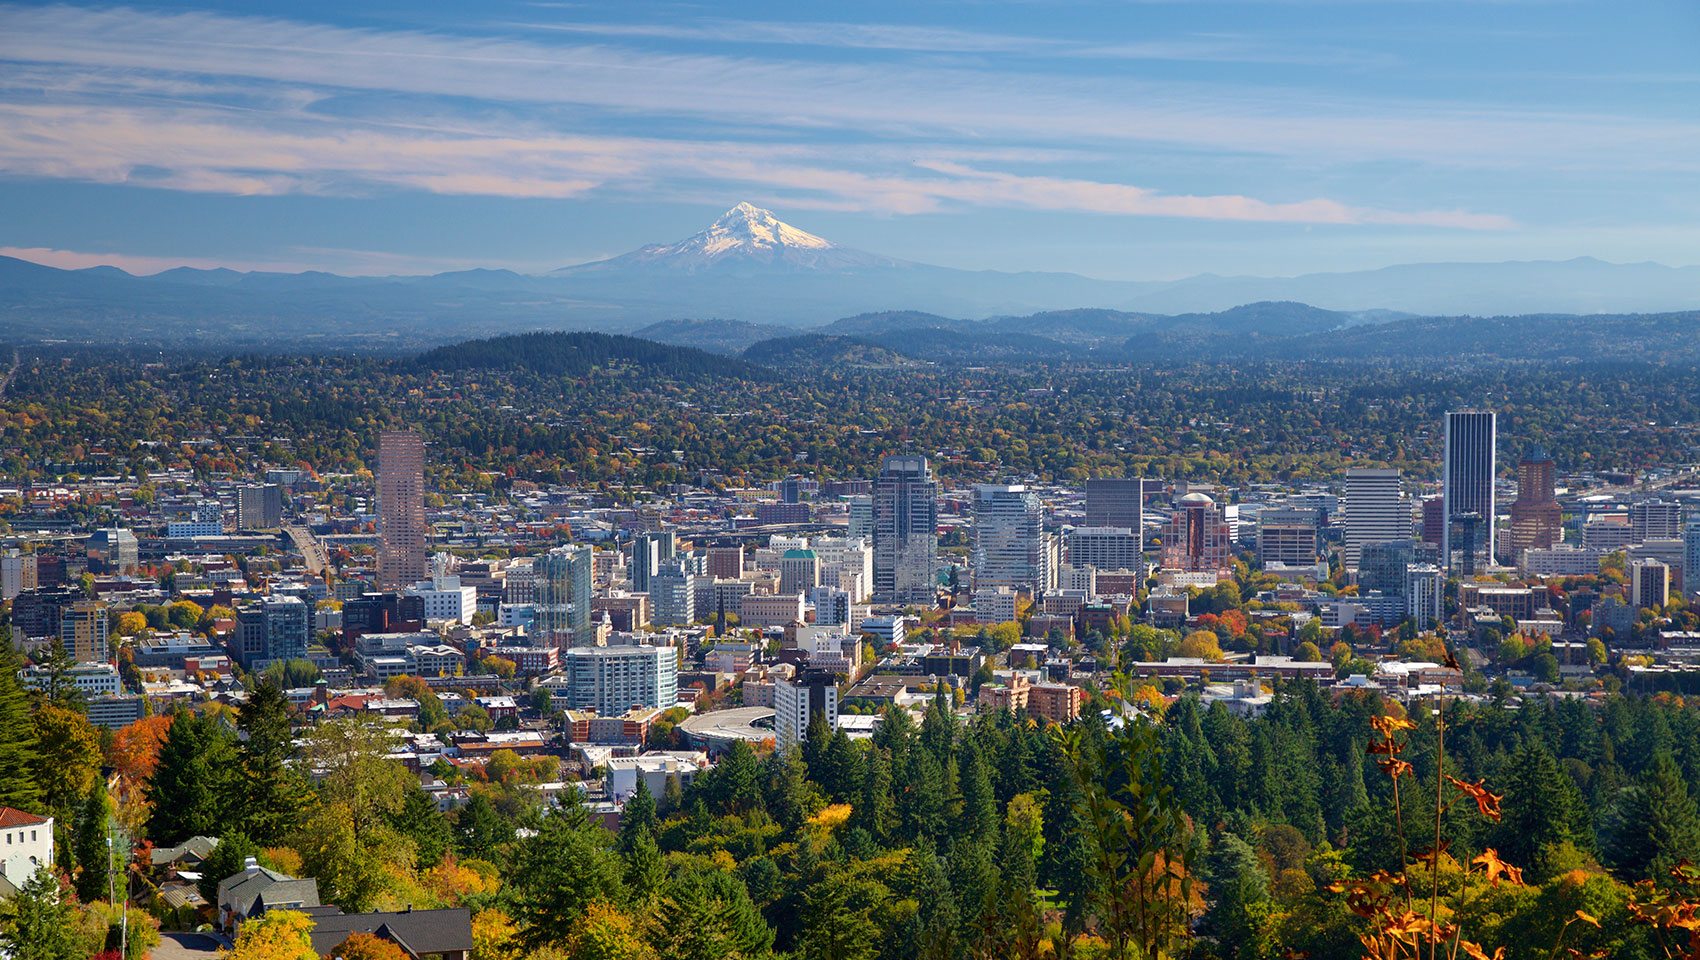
(365, 946)
(135, 748)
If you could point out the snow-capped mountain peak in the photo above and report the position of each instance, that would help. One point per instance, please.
(745, 234)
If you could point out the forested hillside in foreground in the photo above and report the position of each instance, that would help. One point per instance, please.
(1197, 834)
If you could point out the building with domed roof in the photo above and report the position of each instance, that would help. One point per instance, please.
(1197, 538)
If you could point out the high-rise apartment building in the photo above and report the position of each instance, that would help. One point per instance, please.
(561, 584)
(1197, 539)
(797, 702)
(1115, 503)
(906, 537)
(1009, 546)
(1425, 589)
(83, 628)
(278, 628)
(1467, 487)
(260, 506)
(1106, 548)
(1649, 584)
(1536, 518)
(1287, 535)
(672, 596)
(1375, 511)
(613, 680)
(401, 510)
(17, 573)
(1655, 520)
(1383, 566)
(726, 563)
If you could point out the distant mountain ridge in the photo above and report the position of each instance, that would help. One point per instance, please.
(750, 267)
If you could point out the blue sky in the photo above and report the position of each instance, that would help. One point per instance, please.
(1128, 140)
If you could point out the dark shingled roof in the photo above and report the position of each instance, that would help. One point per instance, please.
(418, 932)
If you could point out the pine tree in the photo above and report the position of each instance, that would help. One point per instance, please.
(267, 795)
(226, 860)
(94, 856)
(637, 818)
(560, 872)
(1538, 808)
(18, 787)
(1654, 825)
(1237, 883)
(979, 819)
(191, 786)
(710, 917)
(874, 810)
(419, 820)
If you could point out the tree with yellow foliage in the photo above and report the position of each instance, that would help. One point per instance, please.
(1201, 643)
(279, 935)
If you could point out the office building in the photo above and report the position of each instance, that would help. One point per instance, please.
(1116, 503)
(726, 563)
(861, 518)
(278, 628)
(1471, 438)
(17, 573)
(847, 564)
(1196, 538)
(1649, 584)
(1382, 566)
(1105, 548)
(613, 680)
(1425, 592)
(562, 588)
(1672, 553)
(648, 552)
(672, 596)
(1375, 511)
(1655, 520)
(1537, 521)
(1287, 535)
(1008, 545)
(113, 550)
(1691, 559)
(401, 509)
(1608, 533)
(83, 627)
(906, 538)
(797, 702)
(799, 570)
(259, 506)
(444, 596)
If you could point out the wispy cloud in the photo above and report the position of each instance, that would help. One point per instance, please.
(211, 102)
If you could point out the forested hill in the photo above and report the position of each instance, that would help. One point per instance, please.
(575, 354)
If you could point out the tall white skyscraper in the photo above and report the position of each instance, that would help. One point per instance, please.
(1467, 491)
(1009, 549)
(1375, 511)
(906, 531)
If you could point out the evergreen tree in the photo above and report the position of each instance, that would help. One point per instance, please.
(559, 872)
(1538, 809)
(838, 768)
(95, 859)
(268, 794)
(1237, 883)
(37, 923)
(1654, 824)
(874, 810)
(479, 828)
(645, 871)
(190, 789)
(419, 820)
(710, 917)
(18, 787)
(979, 819)
(226, 860)
(637, 818)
